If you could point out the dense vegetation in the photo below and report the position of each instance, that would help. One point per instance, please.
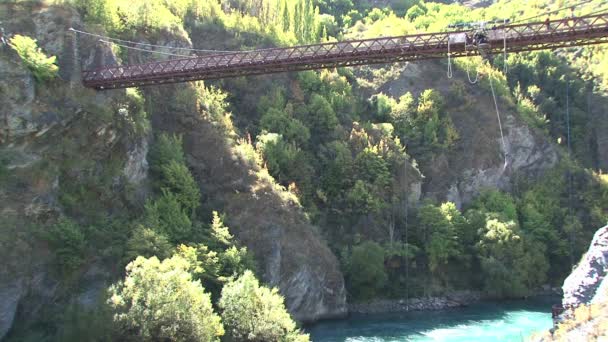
(347, 157)
(43, 67)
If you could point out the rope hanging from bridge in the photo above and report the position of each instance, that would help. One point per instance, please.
(502, 136)
(571, 235)
(476, 71)
(504, 56)
(449, 59)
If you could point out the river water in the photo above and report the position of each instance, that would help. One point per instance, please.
(487, 321)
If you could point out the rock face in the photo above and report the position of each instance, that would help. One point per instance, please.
(586, 285)
(53, 137)
(9, 299)
(476, 161)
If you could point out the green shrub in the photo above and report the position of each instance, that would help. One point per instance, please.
(178, 180)
(159, 301)
(255, 313)
(166, 148)
(43, 67)
(166, 216)
(147, 243)
(366, 270)
(67, 241)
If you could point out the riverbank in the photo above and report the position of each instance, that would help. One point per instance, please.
(453, 299)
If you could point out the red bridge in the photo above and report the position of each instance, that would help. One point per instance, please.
(586, 30)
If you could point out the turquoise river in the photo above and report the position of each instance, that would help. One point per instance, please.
(487, 321)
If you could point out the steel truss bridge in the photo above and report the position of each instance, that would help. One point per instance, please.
(550, 34)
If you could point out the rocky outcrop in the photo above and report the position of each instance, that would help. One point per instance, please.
(586, 285)
(10, 294)
(476, 160)
(450, 300)
(585, 297)
(527, 154)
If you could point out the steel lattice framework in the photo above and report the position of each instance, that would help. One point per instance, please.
(553, 34)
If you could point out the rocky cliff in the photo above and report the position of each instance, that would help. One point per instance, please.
(586, 284)
(585, 297)
(55, 140)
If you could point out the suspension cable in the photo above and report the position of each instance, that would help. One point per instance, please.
(502, 137)
(601, 11)
(146, 50)
(551, 12)
(146, 44)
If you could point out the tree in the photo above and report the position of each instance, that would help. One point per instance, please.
(366, 270)
(147, 243)
(372, 168)
(498, 202)
(502, 255)
(166, 216)
(383, 106)
(337, 173)
(414, 12)
(177, 179)
(440, 237)
(166, 149)
(68, 242)
(282, 122)
(158, 301)
(402, 111)
(252, 312)
(363, 200)
(217, 259)
(286, 162)
(321, 117)
(220, 234)
(44, 68)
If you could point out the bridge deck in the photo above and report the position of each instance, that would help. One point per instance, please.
(523, 37)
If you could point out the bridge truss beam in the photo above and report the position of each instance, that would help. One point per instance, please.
(553, 34)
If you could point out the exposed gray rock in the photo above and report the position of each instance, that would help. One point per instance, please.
(450, 300)
(136, 167)
(525, 153)
(583, 284)
(94, 281)
(476, 160)
(10, 294)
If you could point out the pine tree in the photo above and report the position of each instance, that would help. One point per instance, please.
(297, 20)
(286, 18)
